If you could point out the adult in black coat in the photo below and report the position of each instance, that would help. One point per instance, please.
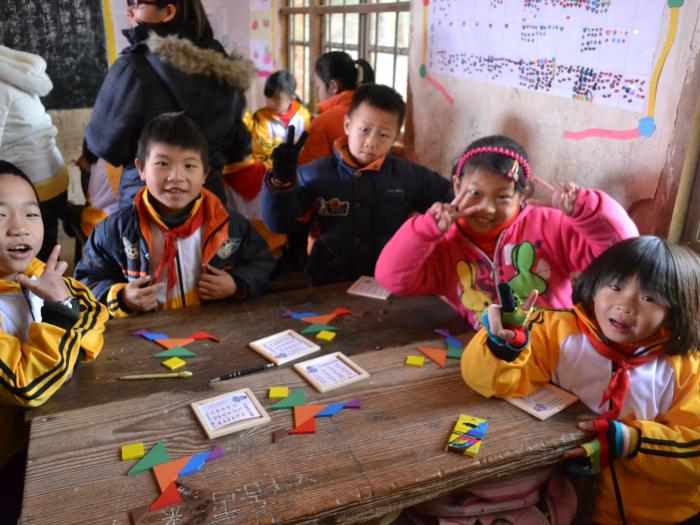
(173, 64)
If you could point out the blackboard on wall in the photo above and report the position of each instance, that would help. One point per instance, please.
(69, 35)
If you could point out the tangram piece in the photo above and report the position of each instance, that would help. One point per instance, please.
(215, 453)
(178, 351)
(436, 355)
(415, 360)
(451, 340)
(201, 335)
(195, 464)
(443, 332)
(302, 315)
(306, 412)
(170, 496)
(331, 410)
(173, 363)
(325, 335)
(168, 472)
(308, 427)
(355, 403)
(278, 392)
(341, 311)
(279, 435)
(154, 337)
(296, 398)
(133, 451)
(316, 327)
(319, 319)
(140, 333)
(288, 313)
(172, 343)
(156, 456)
(454, 352)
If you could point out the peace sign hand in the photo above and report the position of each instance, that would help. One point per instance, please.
(285, 157)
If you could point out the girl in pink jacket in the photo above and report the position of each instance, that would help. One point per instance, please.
(488, 234)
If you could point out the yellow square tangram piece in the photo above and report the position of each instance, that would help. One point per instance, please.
(415, 360)
(325, 335)
(278, 392)
(174, 363)
(133, 451)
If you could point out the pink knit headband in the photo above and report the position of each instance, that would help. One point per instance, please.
(512, 174)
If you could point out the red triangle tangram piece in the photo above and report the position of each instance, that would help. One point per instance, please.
(308, 427)
(341, 311)
(167, 472)
(437, 356)
(172, 343)
(320, 319)
(201, 335)
(306, 412)
(170, 496)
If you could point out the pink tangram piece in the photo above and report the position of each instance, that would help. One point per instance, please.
(355, 403)
(201, 335)
(443, 332)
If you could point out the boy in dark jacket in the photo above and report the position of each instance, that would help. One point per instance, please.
(354, 201)
(176, 245)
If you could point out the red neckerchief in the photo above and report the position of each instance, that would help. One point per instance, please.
(287, 115)
(486, 240)
(246, 180)
(183, 231)
(620, 381)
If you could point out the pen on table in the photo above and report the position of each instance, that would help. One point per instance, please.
(185, 373)
(239, 373)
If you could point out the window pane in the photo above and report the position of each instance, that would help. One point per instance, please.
(335, 35)
(352, 29)
(404, 29)
(298, 27)
(402, 75)
(387, 29)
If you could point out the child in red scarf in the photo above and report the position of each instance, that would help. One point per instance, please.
(176, 245)
(628, 351)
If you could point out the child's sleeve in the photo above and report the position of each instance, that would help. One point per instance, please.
(317, 144)
(254, 263)
(100, 269)
(118, 113)
(286, 209)
(669, 448)
(428, 187)
(307, 118)
(485, 370)
(32, 371)
(598, 221)
(412, 263)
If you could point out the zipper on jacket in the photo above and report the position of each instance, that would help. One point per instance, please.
(213, 232)
(179, 278)
(492, 262)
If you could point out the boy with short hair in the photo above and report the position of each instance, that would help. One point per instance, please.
(176, 245)
(354, 201)
(48, 323)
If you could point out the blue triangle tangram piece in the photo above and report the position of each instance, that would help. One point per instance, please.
(302, 315)
(195, 464)
(331, 410)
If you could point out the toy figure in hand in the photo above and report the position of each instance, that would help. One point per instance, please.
(505, 322)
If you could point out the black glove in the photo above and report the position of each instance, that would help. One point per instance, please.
(285, 157)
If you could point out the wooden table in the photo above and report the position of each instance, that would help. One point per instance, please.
(358, 465)
(373, 324)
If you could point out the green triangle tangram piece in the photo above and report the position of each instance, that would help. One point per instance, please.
(156, 456)
(178, 351)
(454, 352)
(317, 327)
(295, 399)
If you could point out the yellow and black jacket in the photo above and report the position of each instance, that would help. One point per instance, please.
(660, 481)
(40, 344)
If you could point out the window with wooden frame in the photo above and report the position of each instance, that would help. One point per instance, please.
(376, 30)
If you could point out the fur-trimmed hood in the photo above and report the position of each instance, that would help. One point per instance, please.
(234, 72)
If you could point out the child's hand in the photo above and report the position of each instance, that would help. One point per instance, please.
(496, 326)
(566, 198)
(50, 286)
(139, 296)
(216, 284)
(462, 202)
(614, 440)
(444, 215)
(285, 157)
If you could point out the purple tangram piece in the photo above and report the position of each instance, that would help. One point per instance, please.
(443, 332)
(140, 333)
(355, 403)
(288, 313)
(214, 454)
